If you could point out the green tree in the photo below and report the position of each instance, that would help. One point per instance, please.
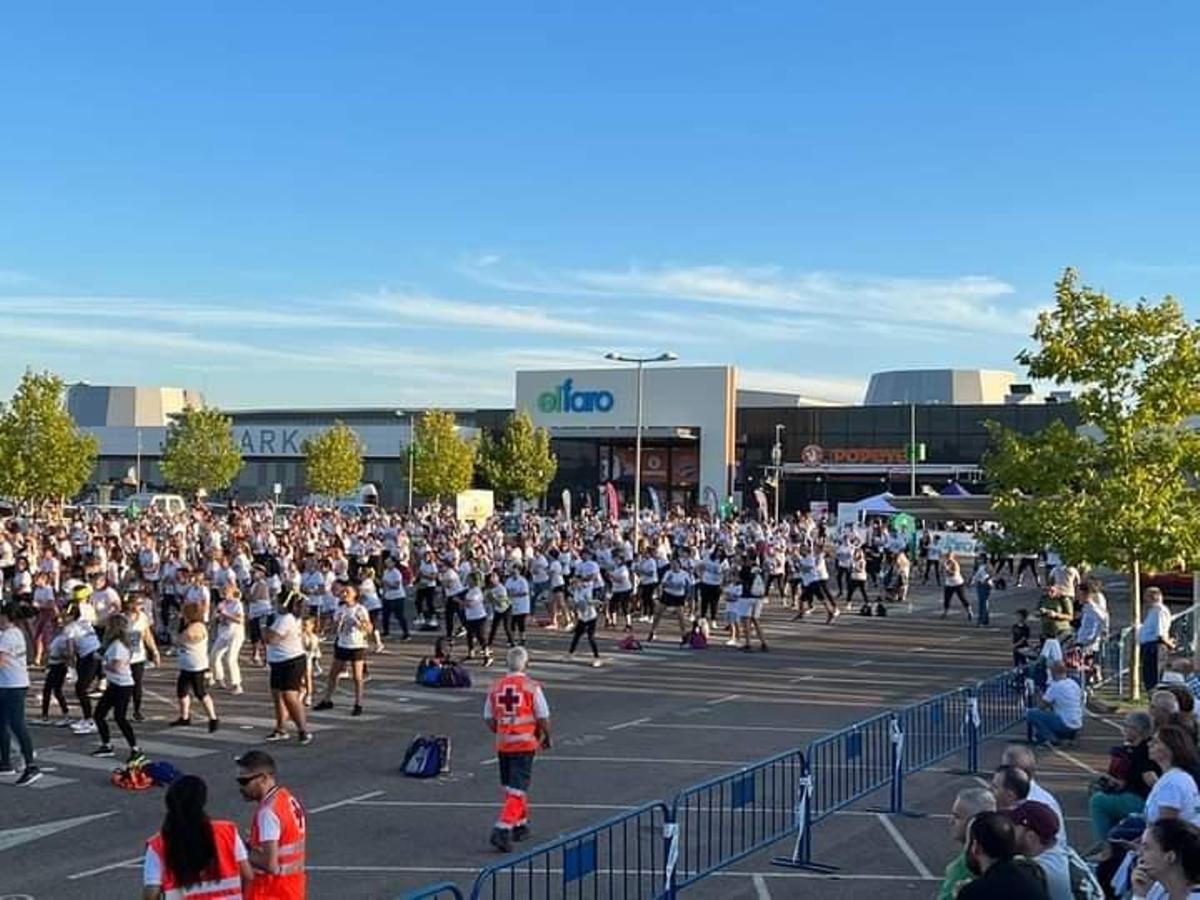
(43, 454)
(443, 462)
(199, 452)
(521, 463)
(1122, 490)
(333, 461)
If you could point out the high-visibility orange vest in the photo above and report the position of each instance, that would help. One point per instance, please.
(511, 703)
(290, 882)
(223, 881)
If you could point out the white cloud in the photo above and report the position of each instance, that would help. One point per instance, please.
(971, 303)
(525, 319)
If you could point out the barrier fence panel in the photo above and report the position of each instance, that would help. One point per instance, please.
(850, 764)
(1183, 630)
(936, 728)
(1001, 700)
(726, 818)
(443, 890)
(622, 858)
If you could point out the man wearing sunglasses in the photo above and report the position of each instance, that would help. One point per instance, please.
(277, 832)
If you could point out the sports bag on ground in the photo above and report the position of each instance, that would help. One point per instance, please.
(427, 756)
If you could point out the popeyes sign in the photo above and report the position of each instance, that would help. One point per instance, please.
(814, 455)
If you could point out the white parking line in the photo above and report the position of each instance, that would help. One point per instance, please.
(719, 700)
(760, 887)
(629, 724)
(905, 846)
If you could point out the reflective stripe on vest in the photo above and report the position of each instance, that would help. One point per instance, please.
(288, 881)
(511, 701)
(225, 881)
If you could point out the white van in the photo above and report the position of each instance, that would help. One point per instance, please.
(171, 504)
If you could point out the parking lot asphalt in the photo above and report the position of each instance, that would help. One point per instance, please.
(637, 729)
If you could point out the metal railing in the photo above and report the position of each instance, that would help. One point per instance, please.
(443, 890)
(622, 858)
(850, 764)
(725, 819)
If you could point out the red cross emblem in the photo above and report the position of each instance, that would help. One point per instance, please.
(510, 699)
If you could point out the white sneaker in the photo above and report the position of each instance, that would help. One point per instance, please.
(237, 689)
(597, 663)
(86, 726)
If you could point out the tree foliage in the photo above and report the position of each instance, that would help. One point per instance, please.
(43, 454)
(521, 463)
(333, 461)
(1122, 489)
(443, 461)
(199, 452)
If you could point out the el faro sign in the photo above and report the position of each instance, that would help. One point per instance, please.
(565, 399)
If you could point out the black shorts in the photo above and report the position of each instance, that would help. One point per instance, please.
(619, 601)
(673, 600)
(289, 674)
(255, 632)
(516, 770)
(349, 654)
(193, 683)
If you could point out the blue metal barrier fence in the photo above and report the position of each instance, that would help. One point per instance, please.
(850, 764)
(622, 858)
(727, 818)
(443, 890)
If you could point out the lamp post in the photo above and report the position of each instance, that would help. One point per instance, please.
(777, 462)
(912, 449)
(412, 436)
(640, 362)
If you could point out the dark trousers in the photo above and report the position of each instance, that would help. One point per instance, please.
(710, 596)
(856, 586)
(454, 611)
(949, 592)
(505, 619)
(12, 721)
(1149, 664)
(425, 602)
(395, 607)
(86, 668)
(56, 677)
(115, 700)
(138, 671)
(1028, 565)
(932, 564)
(588, 628)
(475, 634)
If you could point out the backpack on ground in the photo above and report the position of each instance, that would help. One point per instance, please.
(454, 676)
(131, 778)
(880, 609)
(865, 609)
(163, 773)
(630, 643)
(429, 673)
(1000, 584)
(427, 756)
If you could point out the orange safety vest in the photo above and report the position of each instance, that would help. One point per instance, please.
(511, 703)
(222, 882)
(290, 883)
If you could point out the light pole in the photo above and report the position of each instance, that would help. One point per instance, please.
(412, 436)
(640, 362)
(777, 462)
(912, 449)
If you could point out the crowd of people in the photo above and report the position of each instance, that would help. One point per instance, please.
(94, 598)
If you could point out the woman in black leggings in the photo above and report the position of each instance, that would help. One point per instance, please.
(86, 647)
(118, 692)
(953, 585)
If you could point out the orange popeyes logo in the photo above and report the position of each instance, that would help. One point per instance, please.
(814, 455)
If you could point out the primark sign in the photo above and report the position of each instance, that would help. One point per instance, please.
(270, 441)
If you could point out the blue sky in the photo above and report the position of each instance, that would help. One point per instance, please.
(366, 203)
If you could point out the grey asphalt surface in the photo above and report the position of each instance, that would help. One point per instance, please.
(637, 729)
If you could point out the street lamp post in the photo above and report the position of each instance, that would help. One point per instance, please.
(777, 462)
(640, 362)
(412, 436)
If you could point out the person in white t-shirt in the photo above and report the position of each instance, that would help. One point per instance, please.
(288, 663)
(1175, 794)
(584, 600)
(352, 628)
(1169, 862)
(1061, 710)
(118, 691)
(14, 685)
(231, 634)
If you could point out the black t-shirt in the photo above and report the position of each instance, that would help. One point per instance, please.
(1020, 635)
(1007, 880)
(1139, 764)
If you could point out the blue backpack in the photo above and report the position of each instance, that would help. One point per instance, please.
(163, 773)
(426, 757)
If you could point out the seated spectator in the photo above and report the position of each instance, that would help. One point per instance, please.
(1060, 712)
(1022, 648)
(1169, 866)
(1025, 759)
(1164, 709)
(969, 803)
(1123, 789)
(1186, 718)
(992, 858)
(1174, 794)
(1067, 875)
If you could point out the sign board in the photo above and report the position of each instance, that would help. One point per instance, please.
(818, 509)
(277, 489)
(816, 455)
(474, 506)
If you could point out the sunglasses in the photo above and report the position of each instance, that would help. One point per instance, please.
(244, 780)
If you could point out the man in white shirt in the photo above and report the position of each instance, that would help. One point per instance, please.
(1020, 756)
(1154, 632)
(1061, 709)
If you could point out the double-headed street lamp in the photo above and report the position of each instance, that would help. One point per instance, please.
(639, 361)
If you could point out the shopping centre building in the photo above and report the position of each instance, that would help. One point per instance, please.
(701, 434)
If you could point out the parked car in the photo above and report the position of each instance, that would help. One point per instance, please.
(167, 503)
